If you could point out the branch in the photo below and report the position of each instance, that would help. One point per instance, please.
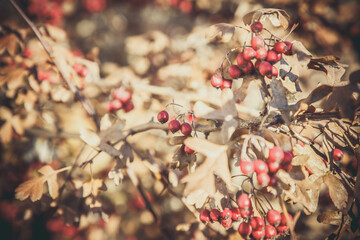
(85, 103)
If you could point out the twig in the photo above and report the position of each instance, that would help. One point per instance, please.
(85, 103)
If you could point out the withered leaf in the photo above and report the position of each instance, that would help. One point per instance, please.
(330, 217)
(224, 31)
(281, 15)
(93, 187)
(13, 77)
(328, 64)
(337, 191)
(306, 156)
(10, 43)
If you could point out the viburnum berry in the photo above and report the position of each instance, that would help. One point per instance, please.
(174, 125)
(235, 214)
(257, 223)
(273, 217)
(273, 166)
(240, 60)
(246, 167)
(243, 201)
(260, 166)
(276, 154)
(188, 150)
(270, 231)
(263, 179)
(337, 154)
(282, 229)
(204, 216)
(215, 214)
(280, 47)
(265, 68)
(123, 95)
(257, 42)
(261, 53)
(226, 223)
(163, 116)
(216, 81)
(186, 129)
(249, 53)
(289, 46)
(248, 68)
(283, 219)
(256, 27)
(226, 84)
(226, 213)
(244, 229)
(272, 57)
(258, 234)
(234, 71)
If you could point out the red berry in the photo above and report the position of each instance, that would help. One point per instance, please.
(249, 66)
(249, 53)
(337, 154)
(186, 129)
(256, 27)
(263, 179)
(163, 116)
(123, 95)
(128, 106)
(257, 223)
(273, 181)
(279, 56)
(282, 229)
(273, 217)
(261, 53)
(283, 219)
(116, 104)
(246, 167)
(84, 72)
(243, 201)
(265, 68)
(246, 212)
(272, 56)
(235, 214)
(240, 60)
(273, 166)
(215, 214)
(274, 72)
(280, 47)
(270, 231)
(204, 216)
(226, 223)
(260, 166)
(185, 6)
(257, 42)
(258, 234)
(226, 84)
(276, 154)
(289, 46)
(174, 125)
(244, 229)
(188, 150)
(226, 213)
(234, 71)
(216, 81)
(257, 64)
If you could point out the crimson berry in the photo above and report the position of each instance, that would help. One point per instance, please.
(289, 46)
(261, 53)
(263, 179)
(337, 154)
(274, 72)
(123, 95)
(257, 64)
(273, 217)
(186, 129)
(256, 27)
(257, 42)
(283, 219)
(163, 116)
(240, 60)
(273, 166)
(272, 56)
(260, 166)
(204, 216)
(243, 201)
(128, 106)
(257, 223)
(226, 84)
(265, 68)
(226, 213)
(116, 104)
(174, 125)
(246, 212)
(270, 231)
(286, 162)
(276, 154)
(77, 67)
(235, 214)
(273, 181)
(226, 223)
(84, 72)
(249, 53)
(282, 229)
(249, 66)
(280, 47)
(279, 56)
(188, 150)
(216, 81)
(215, 214)
(244, 229)
(258, 234)
(234, 71)
(246, 167)
(185, 6)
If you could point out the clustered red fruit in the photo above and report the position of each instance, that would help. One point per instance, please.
(260, 57)
(81, 70)
(266, 170)
(184, 6)
(121, 100)
(174, 126)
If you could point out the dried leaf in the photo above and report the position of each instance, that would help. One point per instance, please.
(330, 217)
(337, 191)
(276, 16)
(90, 137)
(6, 132)
(306, 156)
(224, 31)
(10, 43)
(93, 187)
(51, 179)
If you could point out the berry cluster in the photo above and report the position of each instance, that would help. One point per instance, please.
(184, 6)
(251, 227)
(266, 170)
(81, 69)
(121, 99)
(260, 56)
